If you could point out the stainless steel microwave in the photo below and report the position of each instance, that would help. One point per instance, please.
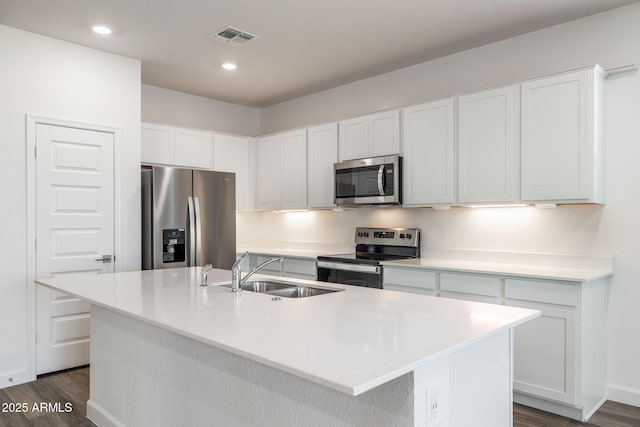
(373, 181)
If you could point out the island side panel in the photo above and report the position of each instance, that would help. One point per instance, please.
(143, 375)
(469, 387)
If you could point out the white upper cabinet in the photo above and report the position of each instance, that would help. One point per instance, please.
(235, 154)
(488, 146)
(293, 152)
(429, 148)
(174, 146)
(322, 153)
(354, 138)
(384, 133)
(281, 166)
(268, 173)
(561, 138)
(156, 144)
(370, 136)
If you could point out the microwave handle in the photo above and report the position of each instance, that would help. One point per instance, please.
(381, 180)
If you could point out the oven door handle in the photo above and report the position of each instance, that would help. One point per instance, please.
(381, 180)
(360, 268)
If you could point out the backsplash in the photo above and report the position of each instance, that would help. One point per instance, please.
(574, 230)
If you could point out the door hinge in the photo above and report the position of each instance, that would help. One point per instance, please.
(35, 151)
(35, 243)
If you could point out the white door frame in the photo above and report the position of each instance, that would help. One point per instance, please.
(32, 120)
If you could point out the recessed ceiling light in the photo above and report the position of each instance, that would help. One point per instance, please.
(101, 29)
(229, 66)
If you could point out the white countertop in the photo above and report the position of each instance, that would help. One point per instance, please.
(574, 273)
(351, 341)
(311, 254)
(534, 265)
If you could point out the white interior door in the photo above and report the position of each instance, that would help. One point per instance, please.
(75, 230)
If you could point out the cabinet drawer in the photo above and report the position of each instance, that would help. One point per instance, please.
(470, 284)
(469, 297)
(300, 266)
(409, 277)
(563, 293)
(409, 289)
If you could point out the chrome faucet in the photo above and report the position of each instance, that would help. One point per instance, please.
(236, 274)
(203, 274)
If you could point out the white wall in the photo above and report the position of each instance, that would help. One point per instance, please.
(169, 107)
(605, 39)
(48, 77)
(609, 39)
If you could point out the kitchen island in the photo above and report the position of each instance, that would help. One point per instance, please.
(166, 351)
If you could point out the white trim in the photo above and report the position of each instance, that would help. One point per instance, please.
(32, 120)
(100, 416)
(621, 394)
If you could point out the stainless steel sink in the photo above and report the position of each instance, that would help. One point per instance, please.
(264, 286)
(282, 289)
(302, 292)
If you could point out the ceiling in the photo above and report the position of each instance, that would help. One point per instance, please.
(304, 45)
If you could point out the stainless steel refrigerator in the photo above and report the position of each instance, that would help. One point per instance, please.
(188, 218)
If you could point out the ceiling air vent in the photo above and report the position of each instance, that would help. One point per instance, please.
(233, 36)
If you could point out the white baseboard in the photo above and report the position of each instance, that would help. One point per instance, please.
(626, 395)
(100, 417)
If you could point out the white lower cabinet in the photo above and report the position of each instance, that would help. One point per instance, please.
(559, 357)
(545, 352)
(294, 267)
(469, 287)
(409, 280)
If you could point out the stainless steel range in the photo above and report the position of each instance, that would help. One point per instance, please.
(373, 245)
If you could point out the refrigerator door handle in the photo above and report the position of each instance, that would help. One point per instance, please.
(198, 259)
(191, 261)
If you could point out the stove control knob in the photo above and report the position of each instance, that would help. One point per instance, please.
(408, 235)
(402, 236)
(359, 233)
(366, 234)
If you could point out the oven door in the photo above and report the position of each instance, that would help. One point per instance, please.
(366, 275)
(368, 181)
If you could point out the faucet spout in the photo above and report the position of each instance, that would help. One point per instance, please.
(236, 275)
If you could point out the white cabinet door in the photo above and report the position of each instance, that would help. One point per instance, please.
(545, 357)
(281, 165)
(354, 138)
(268, 174)
(234, 154)
(322, 150)
(293, 173)
(487, 146)
(157, 144)
(384, 133)
(370, 136)
(561, 139)
(429, 168)
(544, 353)
(174, 146)
(193, 148)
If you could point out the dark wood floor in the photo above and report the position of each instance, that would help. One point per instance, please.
(64, 395)
(72, 387)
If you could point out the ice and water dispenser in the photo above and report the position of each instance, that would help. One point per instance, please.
(173, 245)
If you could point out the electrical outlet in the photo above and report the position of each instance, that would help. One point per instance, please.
(434, 406)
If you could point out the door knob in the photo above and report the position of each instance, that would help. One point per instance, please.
(105, 258)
